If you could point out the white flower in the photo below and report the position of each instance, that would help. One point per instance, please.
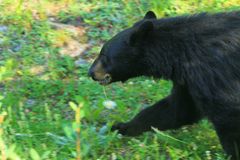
(131, 83)
(109, 104)
(113, 156)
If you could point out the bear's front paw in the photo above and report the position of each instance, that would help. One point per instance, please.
(126, 129)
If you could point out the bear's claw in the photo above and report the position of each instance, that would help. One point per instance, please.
(126, 129)
(120, 127)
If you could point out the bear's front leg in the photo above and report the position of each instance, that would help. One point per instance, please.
(170, 113)
(144, 120)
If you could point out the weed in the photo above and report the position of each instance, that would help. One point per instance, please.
(38, 83)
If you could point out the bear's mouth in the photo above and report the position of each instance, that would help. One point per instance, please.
(107, 80)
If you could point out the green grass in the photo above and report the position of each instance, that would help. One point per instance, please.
(38, 84)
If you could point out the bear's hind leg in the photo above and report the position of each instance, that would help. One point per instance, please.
(228, 129)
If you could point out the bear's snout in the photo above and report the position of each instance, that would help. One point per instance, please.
(91, 74)
(98, 73)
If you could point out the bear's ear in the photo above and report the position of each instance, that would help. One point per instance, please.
(141, 33)
(150, 15)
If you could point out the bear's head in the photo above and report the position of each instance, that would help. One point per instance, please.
(123, 57)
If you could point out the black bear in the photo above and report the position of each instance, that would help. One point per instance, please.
(200, 54)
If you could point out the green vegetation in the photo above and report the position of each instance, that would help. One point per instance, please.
(46, 47)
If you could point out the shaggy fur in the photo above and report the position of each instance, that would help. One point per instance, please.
(200, 54)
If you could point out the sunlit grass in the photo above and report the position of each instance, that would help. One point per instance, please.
(37, 84)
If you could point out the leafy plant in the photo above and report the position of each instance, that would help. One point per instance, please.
(38, 83)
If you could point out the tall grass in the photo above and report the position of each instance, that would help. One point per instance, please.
(36, 120)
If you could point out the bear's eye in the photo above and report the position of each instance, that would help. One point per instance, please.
(105, 59)
(126, 43)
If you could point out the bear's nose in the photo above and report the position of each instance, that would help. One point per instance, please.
(91, 74)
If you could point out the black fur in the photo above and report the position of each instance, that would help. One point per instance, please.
(200, 54)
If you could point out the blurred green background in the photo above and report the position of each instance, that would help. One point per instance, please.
(46, 47)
